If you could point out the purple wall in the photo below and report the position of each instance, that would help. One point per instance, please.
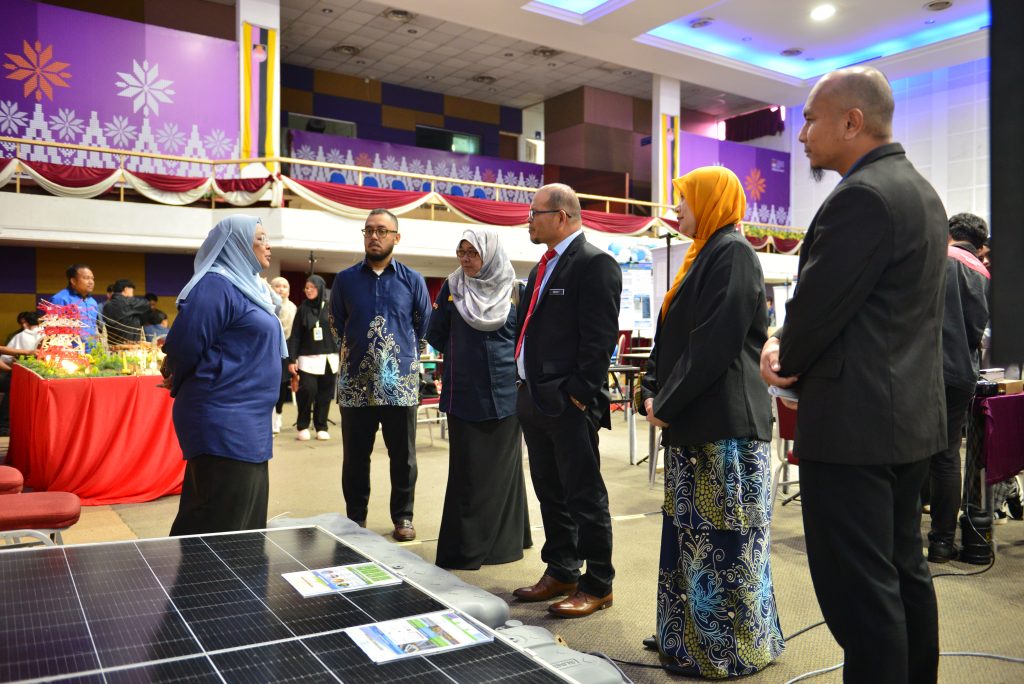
(388, 156)
(764, 173)
(119, 84)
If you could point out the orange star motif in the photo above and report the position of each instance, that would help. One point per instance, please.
(754, 184)
(36, 69)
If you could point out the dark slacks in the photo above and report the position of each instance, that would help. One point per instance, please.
(358, 432)
(944, 472)
(314, 395)
(863, 530)
(222, 495)
(565, 467)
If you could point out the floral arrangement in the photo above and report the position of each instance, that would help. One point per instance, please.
(761, 230)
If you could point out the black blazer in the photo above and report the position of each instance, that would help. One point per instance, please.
(703, 372)
(864, 327)
(572, 331)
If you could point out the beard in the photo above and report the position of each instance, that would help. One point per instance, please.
(817, 173)
(383, 256)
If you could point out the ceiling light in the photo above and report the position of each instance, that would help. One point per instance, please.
(823, 12)
(746, 39)
(399, 15)
(430, 77)
(545, 52)
(326, 10)
(792, 52)
(929, 21)
(938, 5)
(484, 79)
(360, 61)
(510, 54)
(627, 72)
(412, 31)
(349, 50)
(700, 22)
(552, 64)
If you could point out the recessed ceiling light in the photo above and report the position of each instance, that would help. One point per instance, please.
(412, 31)
(823, 12)
(552, 64)
(510, 54)
(627, 72)
(398, 15)
(326, 10)
(545, 52)
(792, 52)
(938, 5)
(700, 22)
(492, 90)
(929, 21)
(360, 61)
(482, 78)
(746, 39)
(349, 50)
(431, 78)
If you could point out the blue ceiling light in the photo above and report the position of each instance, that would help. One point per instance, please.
(575, 11)
(725, 40)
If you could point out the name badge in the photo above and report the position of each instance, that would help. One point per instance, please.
(557, 291)
(318, 334)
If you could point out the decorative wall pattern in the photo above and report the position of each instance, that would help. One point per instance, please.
(390, 157)
(87, 79)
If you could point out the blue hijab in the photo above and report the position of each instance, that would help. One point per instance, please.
(227, 250)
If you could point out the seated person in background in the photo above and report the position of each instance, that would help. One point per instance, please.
(152, 298)
(155, 325)
(123, 314)
(27, 340)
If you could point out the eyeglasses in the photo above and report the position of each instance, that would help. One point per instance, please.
(262, 240)
(471, 253)
(534, 212)
(377, 232)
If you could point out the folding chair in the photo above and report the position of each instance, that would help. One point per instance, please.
(439, 418)
(37, 515)
(785, 419)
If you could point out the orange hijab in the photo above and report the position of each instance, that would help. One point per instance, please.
(715, 196)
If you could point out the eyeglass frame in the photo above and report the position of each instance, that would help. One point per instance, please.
(459, 253)
(262, 239)
(377, 232)
(534, 213)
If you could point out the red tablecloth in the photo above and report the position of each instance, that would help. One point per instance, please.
(108, 440)
(1003, 442)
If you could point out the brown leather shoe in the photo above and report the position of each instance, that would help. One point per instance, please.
(404, 531)
(580, 604)
(544, 590)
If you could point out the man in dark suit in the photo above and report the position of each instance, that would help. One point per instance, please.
(861, 345)
(564, 339)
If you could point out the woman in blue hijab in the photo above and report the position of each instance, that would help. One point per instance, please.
(224, 359)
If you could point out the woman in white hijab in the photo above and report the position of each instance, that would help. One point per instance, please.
(485, 520)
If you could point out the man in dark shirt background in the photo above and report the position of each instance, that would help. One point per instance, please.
(124, 314)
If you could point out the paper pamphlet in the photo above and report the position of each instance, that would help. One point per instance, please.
(340, 579)
(425, 634)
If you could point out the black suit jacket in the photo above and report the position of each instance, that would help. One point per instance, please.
(864, 327)
(703, 372)
(572, 331)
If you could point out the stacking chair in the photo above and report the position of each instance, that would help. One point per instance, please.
(785, 419)
(40, 516)
(428, 404)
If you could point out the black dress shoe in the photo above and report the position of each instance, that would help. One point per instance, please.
(942, 552)
(651, 642)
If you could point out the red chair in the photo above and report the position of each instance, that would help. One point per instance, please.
(38, 515)
(785, 419)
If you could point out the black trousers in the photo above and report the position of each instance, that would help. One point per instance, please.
(222, 495)
(863, 530)
(285, 394)
(565, 467)
(358, 432)
(315, 393)
(944, 472)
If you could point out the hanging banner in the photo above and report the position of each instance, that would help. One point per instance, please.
(259, 55)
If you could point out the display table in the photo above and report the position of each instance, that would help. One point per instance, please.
(108, 440)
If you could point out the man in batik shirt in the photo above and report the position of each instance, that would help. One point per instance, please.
(379, 309)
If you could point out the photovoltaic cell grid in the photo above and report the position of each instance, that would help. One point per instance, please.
(213, 608)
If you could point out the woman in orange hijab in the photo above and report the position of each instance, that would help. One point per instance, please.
(716, 616)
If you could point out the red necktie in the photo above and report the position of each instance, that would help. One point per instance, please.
(538, 281)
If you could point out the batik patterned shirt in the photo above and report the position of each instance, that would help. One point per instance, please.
(380, 320)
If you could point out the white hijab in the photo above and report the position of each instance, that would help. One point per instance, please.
(484, 300)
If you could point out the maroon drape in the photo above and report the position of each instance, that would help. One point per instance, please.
(1003, 435)
(70, 176)
(785, 245)
(613, 223)
(108, 440)
(489, 211)
(167, 183)
(754, 125)
(242, 184)
(757, 242)
(361, 197)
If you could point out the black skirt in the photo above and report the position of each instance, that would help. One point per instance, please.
(485, 520)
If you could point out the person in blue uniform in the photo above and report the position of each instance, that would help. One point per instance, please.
(223, 367)
(78, 293)
(485, 520)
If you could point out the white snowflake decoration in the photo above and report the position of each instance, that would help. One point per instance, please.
(10, 118)
(143, 86)
(305, 152)
(170, 137)
(66, 124)
(390, 163)
(120, 131)
(334, 156)
(217, 144)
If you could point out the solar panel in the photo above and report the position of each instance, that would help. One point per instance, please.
(215, 608)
